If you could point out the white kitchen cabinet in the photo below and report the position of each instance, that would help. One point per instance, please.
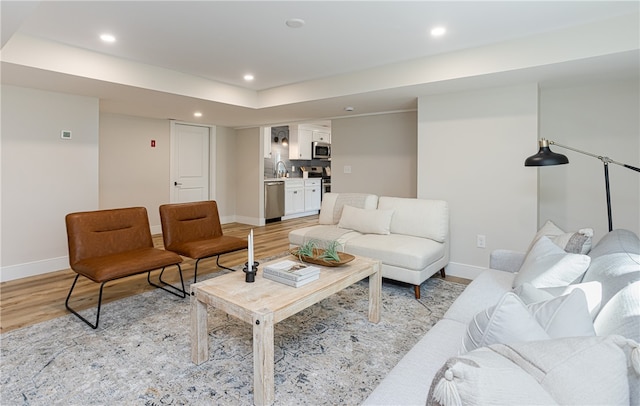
(266, 135)
(312, 194)
(300, 139)
(323, 135)
(293, 196)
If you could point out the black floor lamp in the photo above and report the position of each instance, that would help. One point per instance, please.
(546, 157)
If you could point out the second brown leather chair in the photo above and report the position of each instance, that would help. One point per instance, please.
(193, 230)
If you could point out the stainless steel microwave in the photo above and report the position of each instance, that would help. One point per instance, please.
(320, 150)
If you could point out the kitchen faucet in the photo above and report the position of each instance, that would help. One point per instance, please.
(277, 171)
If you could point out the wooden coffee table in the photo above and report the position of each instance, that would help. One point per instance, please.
(264, 303)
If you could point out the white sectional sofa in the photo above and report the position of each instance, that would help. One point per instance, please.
(410, 236)
(573, 343)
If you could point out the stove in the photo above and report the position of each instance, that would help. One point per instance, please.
(323, 172)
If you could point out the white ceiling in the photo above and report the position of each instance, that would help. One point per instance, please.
(174, 57)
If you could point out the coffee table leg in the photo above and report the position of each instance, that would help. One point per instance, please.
(375, 291)
(263, 359)
(199, 333)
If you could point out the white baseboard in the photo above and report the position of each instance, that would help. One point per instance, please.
(12, 272)
(297, 215)
(463, 270)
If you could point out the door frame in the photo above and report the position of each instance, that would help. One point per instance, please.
(212, 155)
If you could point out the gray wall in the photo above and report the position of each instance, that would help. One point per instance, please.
(603, 119)
(381, 151)
(132, 173)
(43, 176)
(471, 149)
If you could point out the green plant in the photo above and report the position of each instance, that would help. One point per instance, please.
(331, 251)
(307, 249)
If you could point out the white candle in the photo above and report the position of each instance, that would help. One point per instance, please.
(250, 265)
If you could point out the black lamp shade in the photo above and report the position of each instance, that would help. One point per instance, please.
(545, 157)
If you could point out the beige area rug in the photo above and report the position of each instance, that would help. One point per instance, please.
(328, 354)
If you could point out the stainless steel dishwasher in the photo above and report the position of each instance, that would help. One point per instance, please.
(273, 200)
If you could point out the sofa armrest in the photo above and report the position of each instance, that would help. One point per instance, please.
(506, 260)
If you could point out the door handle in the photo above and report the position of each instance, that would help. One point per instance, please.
(177, 184)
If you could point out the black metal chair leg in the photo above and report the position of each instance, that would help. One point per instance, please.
(195, 271)
(222, 266)
(173, 290)
(66, 304)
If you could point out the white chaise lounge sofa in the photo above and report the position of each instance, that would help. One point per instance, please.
(410, 236)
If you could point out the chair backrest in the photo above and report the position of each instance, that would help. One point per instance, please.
(98, 233)
(186, 222)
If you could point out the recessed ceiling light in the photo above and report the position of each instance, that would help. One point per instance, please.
(295, 22)
(248, 77)
(108, 38)
(197, 114)
(438, 31)
(349, 108)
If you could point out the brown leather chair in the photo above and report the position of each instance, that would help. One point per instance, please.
(193, 230)
(106, 245)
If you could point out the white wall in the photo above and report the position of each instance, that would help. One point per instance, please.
(381, 151)
(603, 119)
(471, 150)
(132, 173)
(249, 169)
(43, 176)
(226, 174)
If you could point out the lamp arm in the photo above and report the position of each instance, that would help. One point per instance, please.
(604, 159)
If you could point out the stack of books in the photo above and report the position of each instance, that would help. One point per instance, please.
(291, 273)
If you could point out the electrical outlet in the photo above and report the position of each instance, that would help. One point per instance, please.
(347, 169)
(481, 241)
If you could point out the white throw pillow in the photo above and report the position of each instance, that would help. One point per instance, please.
(512, 321)
(509, 321)
(548, 265)
(592, 290)
(564, 316)
(578, 242)
(577, 371)
(366, 221)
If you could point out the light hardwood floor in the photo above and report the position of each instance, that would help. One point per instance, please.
(31, 300)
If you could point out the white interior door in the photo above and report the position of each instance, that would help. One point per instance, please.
(190, 163)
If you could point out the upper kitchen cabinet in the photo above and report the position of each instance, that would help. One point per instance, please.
(323, 135)
(300, 139)
(302, 135)
(266, 135)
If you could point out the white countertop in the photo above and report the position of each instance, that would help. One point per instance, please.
(286, 179)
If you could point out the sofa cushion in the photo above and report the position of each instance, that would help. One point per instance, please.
(333, 203)
(547, 265)
(621, 314)
(615, 262)
(616, 241)
(398, 250)
(366, 221)
(578, 242)
(418, 217)
(584, 370)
